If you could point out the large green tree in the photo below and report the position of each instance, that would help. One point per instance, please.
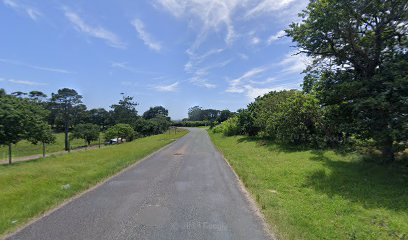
(155, 112)
(125, 111)
(65, 103)
(359, 52)
(21, 119)
(87, 131)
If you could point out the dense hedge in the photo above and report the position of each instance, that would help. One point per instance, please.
(191, 123)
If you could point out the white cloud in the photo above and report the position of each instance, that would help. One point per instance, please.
(127, 67)
(276, 37)
(31, 12)
(252, 92)
(212, 15)
(266, 6)
(145, 36)
(237, 85)
(48, 69)
(294, 63)
(255, 40)
(23, 82)
(196, 59)
(167, 88)
(243, 56)
(11, 3)
(97, 32)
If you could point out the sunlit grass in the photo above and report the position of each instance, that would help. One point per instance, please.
(28, 189)
(25, 148)
(317, 194)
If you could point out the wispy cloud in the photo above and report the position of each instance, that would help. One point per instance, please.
(126, 66)
(48, 69)
(276, 37)
(145, 36)
(167, 88)
(209, 15)
(237, 85)
(294, 63)
(266, 6)
(30, 11)
(253, 92)
(23, 82)
(97, 32)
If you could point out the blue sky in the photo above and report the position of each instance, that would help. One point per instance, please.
(212, 53)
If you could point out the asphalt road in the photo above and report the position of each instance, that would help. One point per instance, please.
(186, 191)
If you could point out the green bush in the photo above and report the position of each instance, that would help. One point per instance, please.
(229, 127)
(120, 130)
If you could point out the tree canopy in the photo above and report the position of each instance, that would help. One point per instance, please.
(359, 52)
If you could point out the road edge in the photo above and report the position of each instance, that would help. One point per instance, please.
(80, 194)
(252, 203)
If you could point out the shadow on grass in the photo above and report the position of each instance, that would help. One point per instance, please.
(289, 148)
(370, 184)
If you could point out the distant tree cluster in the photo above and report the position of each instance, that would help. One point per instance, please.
(197, 113)
(34, 117)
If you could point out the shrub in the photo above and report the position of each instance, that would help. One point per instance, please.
(120, 130)
(229, 127)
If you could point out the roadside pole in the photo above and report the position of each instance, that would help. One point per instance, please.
(43, 149)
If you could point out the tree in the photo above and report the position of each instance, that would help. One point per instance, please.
(100, 117)
(37, 96)
(224, 115)
(297, 119)
(360, 64)
(155, 112)
(246, 121)
(41, 133)
(210, 114)
(120, 130)
(20, 119)
(65, 102)
(125, 111)
(265, 111)
(87, 131)
(195, 113)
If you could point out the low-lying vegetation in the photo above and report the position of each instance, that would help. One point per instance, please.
(320, 194)
(31, 188)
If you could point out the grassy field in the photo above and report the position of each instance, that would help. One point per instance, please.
(28, 189)
(25, 148)
(310, 194)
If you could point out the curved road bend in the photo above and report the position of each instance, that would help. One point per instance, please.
(185, 191)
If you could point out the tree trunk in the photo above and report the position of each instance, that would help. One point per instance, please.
(9, 153)
(66, 137)
(388, 150)
(43, 150)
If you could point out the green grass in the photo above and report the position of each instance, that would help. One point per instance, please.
(311, 194)
(28, 189)
(25, 148)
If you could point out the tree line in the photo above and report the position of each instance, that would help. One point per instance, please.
(355, 88)
(35, 117)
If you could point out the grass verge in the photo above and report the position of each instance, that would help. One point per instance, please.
(25, 148)
(310, 194)
(28, 189)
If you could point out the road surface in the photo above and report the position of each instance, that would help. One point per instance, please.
(186, 191)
